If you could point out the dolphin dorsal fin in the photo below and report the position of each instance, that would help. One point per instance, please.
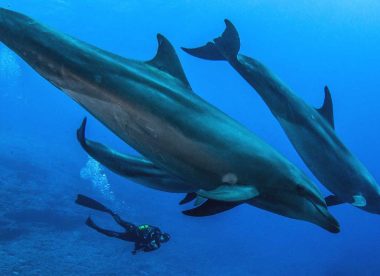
(326, 110)
(166, 60)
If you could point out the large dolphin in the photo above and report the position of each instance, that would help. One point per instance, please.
(310, 130)
(151, 106)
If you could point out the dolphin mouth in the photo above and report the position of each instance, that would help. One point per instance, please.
(329, 222)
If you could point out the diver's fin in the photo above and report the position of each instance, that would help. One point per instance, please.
(91, 203)
(189, 197)
(333, 200)
(230, 193)
(166, 59)
(225, 47)
(359, 201)
(327, 109)
(211, 207)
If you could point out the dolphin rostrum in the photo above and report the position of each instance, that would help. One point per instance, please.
(310, 130)
(151, 106)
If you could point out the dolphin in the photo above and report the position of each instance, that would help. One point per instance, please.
(151, 106)
(310, 130)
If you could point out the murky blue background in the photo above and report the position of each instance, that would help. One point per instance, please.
(306, 43)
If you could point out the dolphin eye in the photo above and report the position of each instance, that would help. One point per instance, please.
(300, 189)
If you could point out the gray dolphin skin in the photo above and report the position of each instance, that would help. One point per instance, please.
(310, 130)
(151, 106)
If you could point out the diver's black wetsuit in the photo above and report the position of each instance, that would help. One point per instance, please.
(146, 237)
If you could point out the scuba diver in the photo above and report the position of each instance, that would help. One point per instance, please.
(146, 237)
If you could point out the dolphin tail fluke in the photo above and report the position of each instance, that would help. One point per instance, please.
(229, 43)
(211, 207)
(91, 203)
(208, 51)
(225, 47)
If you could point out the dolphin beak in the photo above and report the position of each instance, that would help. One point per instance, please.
(327, 222)
(12, 27)
(325, 219)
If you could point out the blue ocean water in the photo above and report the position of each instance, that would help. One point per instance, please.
(308, 44)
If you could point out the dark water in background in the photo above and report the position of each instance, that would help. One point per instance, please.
(307, 43)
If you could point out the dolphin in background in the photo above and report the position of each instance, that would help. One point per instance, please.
(310, 130)
(151, 106)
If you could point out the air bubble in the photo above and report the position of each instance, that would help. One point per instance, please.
(10, 70)
(94, 172)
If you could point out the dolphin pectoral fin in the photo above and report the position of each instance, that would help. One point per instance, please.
(211, 207)
(225, 47)
(189, 197)
(327, 109)
(359, 201)
(333, 200)
(135, 168)
(230, 193)
(199, 200)
(166, 59)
